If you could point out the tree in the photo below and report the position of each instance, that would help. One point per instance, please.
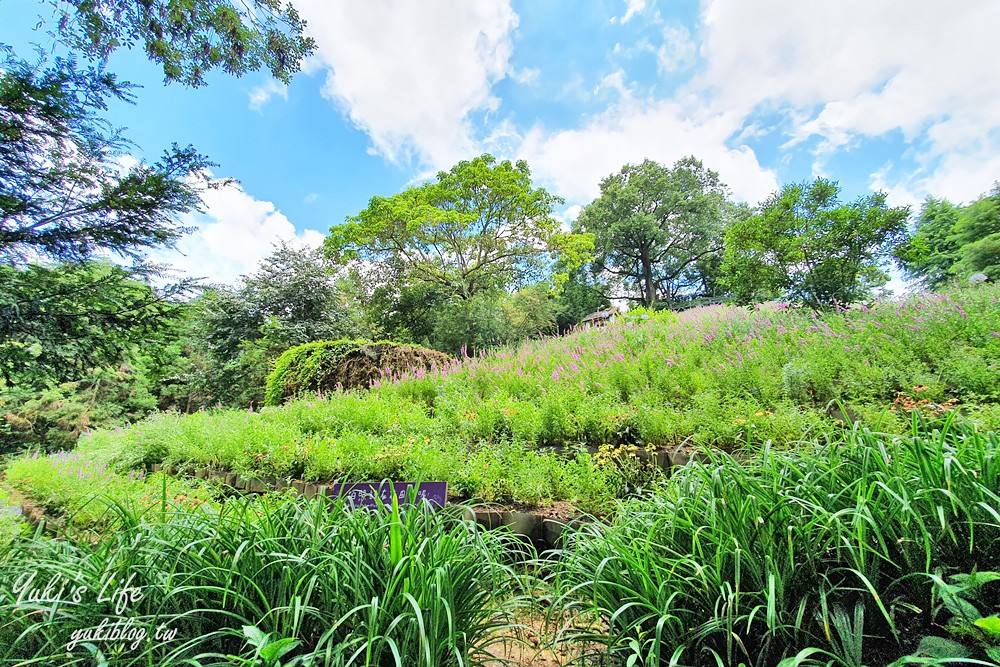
(578, 297)
(478, 227)
(289, 300)
(977, 234)
(65, 191)
(929, 253)
(392, 309)
(805, 244)
(655, 226)
(58, 323)
(189, 38)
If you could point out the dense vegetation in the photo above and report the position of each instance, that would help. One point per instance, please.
(840, 505)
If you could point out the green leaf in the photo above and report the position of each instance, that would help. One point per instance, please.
(273, 651)
(990, 625)
(255, 636)
(960, 607)
(939, 647)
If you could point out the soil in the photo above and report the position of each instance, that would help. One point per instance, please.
(533, 645)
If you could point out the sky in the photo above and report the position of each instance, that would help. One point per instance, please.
(899, 96)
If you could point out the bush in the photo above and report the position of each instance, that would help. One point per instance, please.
(329, 366)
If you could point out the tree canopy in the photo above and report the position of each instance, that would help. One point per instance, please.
(929, 253)
(655, 226)
(189, 38)
(289, 300)
(806, 244)
(59, 322)
(67, 189)
(479, 226)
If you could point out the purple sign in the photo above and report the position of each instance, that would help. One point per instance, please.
(364, 494)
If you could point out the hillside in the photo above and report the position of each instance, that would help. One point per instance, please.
(561, 418)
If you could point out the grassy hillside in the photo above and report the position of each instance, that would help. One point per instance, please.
(819, 544)
(720, 377)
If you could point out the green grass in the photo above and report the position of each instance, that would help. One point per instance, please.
(720, 376)
(846, 551)
(78, 491)
(829, 548)
(394, 587)
(12, 524)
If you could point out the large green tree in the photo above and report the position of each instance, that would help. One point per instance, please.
(57, 323)
(187, 38)
(931, 250)
(478, 227)
(656, 227)
(808, 245)
(951, 242)
(292, 298)
(977, 235)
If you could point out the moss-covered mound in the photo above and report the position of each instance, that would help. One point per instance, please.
(324, 365)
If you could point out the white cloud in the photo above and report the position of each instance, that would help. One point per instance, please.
(310, 198)
(632, 7)
(678, 50)
(233, 234)
(617, 82)
(410, 74)
(575, 161)
(263, 93)
(857, 69)
(526, 76)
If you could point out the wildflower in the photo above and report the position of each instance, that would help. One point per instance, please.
(920, 387)
(739, 422)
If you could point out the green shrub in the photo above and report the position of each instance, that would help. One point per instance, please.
(80, 491)
(330, 366)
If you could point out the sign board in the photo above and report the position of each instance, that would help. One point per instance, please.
(364, 494)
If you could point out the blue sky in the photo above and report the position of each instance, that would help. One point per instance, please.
(896, 95)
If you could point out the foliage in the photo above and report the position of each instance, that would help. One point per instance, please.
(962, 597)
(931, 250)
(655, 227)
(291, 299)
(953, 242)
(977, 233)
(82, 492)
(805, 244)
(326, 366)
(318, 583)
(12, 524)
(716, 377)
(480, 226)
(819, 550)
(390, 308)
(59, 322)
(161, 371)
(189, 39)
(491, 319)
(67, 190)
(55, 418)
(578, 296)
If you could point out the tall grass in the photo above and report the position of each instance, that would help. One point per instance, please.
(827, 549)
(328, 586)
(729, 377)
